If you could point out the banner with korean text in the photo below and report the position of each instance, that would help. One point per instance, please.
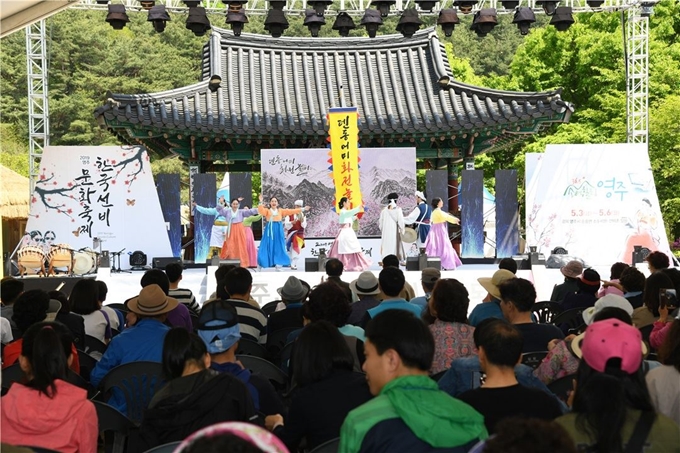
(344, 154)
(597, 201)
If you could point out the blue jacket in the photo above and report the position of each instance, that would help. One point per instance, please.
(485, 310)
(400, 304)
(143, 342)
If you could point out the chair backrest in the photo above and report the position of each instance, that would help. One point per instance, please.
(73, 378)
(570, 319)
(165, 448)
(286, 354)
(545, 312)
(10, 375)
(646, 331)
(93, 344)
(87, 364)
(270, 307)
(330, 446)
(533, 359)
(138, 382)
(437, 376)
(250, 347)
(278, 339)
(562, 386)
(278, 378)
(112, 420)
(194, 320)
(114, 332)
(120, 307)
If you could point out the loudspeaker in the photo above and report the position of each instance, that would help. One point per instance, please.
(522, 261)
(412, 263)
(105, 259)
(161, 262)
(435, 262)
(232, 261)
(311, 265)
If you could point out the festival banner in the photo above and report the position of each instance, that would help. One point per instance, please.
(344, 154)
(598, 201)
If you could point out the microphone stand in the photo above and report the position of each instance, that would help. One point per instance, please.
(114, 268)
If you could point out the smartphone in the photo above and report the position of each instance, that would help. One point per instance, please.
(668, 298)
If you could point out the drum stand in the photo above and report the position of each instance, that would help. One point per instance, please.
(114, 268)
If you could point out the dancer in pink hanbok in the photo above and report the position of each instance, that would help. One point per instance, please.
(346, 247)
(438, 242)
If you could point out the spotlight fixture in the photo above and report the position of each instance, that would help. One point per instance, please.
(485, 20)
(198, 21)
(319, 5)
(147, 4)
(158, 16)
(372, 20)
(510, 4)
(214, 83)
(117, 17)
(344, 23)
(275, 23)
(465, 6)
(236, 19)
(559, 251)
(314, 22)
(524, 17)
(562, 19)
(548, 6)
(409, 22)
(383, 6)
(277, 4)
(138, 259)
(448, 19)
(595, 3)
(426, 5)
(192, 3)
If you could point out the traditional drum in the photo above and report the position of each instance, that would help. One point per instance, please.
(31, 257)
(59, 256)
(84, 262)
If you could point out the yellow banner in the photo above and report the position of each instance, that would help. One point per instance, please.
(344, 155)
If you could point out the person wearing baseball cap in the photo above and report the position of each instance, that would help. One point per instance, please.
(293, 294)
(571, 271)
(428, 277)
(612, 410)
(491, 305)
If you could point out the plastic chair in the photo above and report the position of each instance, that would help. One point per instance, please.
(278, 378)
(437, 376)
(114, 332)
(330, 446)
(165, 448)
(250, 347)
(533, 359)
(87, 364)
(562, 386)
(112, 420)
(286, 354)
(570, 320)
(138, 382)
(270, 307)
(277, 340)
(93, 344)
(73, 378)
(194, 320)
(545, 312)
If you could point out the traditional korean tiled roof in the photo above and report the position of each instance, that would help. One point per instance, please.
(274, 87)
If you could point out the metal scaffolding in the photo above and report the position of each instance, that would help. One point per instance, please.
(637, 76)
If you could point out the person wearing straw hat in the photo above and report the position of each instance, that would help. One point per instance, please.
(294, 226)
(571, 271)
(144, 342)
(491, 305)
(366, 287)
(420, 216)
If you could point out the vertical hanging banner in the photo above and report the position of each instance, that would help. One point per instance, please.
(344, 155)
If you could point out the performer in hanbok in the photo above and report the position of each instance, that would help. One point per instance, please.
(294, 226)
(234, 246)
(420, 217)
(272, 251)
(346, 246)
(391, 226)
(438, 242)
(250, 238)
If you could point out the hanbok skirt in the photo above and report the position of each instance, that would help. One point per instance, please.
(250, 246)
(272, 250)
(439, 244)
(347, 249)
(235, 245)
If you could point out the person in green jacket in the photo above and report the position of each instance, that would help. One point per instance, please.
(409, 413)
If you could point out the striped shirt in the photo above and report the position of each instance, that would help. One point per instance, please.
(252, 321)
(186, 297)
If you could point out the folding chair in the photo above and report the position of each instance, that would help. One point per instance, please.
(545, 312)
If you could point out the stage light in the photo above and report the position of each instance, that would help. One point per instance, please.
(117, 17)
(372, 20)
(426, 5)
(562, 19)
(147, 4)
(485, 20)
(277, 4)
(510, 4)
(158, 16)
(549, 6)
(192, 3)
(409, 23)
(383, 6)
(313, 22)
(524, 17)
(236, 19)
(138, 259)
(344, 23)
(448, 19)
(319, 5)
(198, 21)
(595, 3)
(559, 251)
(214, 83)
(276, 23)
(465, 6)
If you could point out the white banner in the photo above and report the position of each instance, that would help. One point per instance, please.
(597, 201)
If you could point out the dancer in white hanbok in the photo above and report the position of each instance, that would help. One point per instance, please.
(391, 226)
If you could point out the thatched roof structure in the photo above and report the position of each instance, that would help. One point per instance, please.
(14, 195)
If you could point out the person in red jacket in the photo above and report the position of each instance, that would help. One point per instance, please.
(48, 412)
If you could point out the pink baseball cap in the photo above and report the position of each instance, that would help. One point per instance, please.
(610, 339)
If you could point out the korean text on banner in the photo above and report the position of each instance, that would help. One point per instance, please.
(344, 137)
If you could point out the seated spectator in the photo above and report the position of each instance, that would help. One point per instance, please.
(183, 295)
(491, 305)
(10, 289)
(610, 395)
(103, 292)
(391, 280)
(674, 274)
(631, 283)
(508, 264)
(293, 294)
(517, 297)
(99, 321)
(649, 312)
(406, 292)
(326, 388)
(252, 320)
(450, 329)
(179, 316)
(657, 261)
(662, 381)
(219, 329)
(428, 277)
(232, 437)
(194, 396)
(32, 307)
(5, 331)
(661, 328)
(48, 412)
(571, 271)
(144, 342)
(614, 276)
(75, 323)
(501, 396)
(527, 435)
(409, 413)
(588, 284)
(366, 288)
(334, 268)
